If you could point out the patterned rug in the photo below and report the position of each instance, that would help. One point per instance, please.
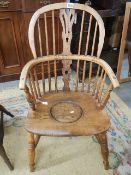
(119, 134)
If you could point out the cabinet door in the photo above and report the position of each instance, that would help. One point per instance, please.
(11, 59)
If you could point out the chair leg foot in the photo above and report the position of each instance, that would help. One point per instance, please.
(4, 156)
(102, 139)
(31, 151)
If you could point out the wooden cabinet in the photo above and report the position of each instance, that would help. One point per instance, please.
(11, 55)
(10, 5)
(14, 46)
(28, 6)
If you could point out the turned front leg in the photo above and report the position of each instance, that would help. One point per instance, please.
(31, 151)
(102, 139)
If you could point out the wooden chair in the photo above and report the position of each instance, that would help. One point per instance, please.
(2, 150)
(60, 105)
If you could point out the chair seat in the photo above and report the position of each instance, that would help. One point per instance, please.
(67, 113)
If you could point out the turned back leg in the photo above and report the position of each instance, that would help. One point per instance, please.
(102, 139)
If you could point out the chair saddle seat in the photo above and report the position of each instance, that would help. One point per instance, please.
(67, 113)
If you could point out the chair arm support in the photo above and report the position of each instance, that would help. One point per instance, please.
(23, 77)
(29, 98)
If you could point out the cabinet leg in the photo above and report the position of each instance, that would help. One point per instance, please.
(4, 156)
(31, 151)
(102, 139)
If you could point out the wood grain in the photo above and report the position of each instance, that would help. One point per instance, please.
(92, 121)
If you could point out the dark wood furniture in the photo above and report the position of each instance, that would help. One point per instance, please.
(112, 14)
(14, 47)
(11, 55)
(2, 150)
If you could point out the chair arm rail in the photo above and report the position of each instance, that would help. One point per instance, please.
(102, 63)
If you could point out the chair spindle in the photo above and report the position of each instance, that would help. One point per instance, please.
(54, 49)
(83, 76)
(99, 84)
(33, 85)
(49, 76)
(77, 75)
(101, 87)
(53, 30)
(31, 88)
(88, 35)
(106, 95)
(29, 98)
(89, 79)
(93, 45)
(37, 83)
(81, 32)
(55, 73)
(96, 80)
(46, 35)
(39, 33)
(43, 77)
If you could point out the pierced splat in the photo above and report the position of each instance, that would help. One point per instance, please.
(66, 71)
(67, 18)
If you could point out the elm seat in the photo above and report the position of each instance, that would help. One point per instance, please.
(90, 121)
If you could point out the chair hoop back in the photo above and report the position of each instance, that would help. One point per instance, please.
(67, 14)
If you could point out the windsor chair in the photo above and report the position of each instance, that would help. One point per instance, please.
(61, 105)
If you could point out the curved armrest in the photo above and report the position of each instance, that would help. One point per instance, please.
(96, 60)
